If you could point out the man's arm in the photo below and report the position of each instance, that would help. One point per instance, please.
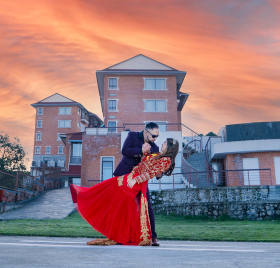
(128, 149)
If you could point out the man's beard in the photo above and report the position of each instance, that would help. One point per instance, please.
(147, 140)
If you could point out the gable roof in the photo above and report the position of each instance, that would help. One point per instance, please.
(56, 98)
(140, 62)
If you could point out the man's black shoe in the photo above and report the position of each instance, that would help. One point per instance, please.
(155, 242)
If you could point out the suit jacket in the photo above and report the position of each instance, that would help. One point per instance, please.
(132, 152)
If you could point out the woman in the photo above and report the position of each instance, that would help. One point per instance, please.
(118, 207)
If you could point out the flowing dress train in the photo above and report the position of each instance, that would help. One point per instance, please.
(117, 211)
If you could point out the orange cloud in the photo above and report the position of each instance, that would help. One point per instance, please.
(230, 52)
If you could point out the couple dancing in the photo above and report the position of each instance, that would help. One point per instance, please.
(120, 207)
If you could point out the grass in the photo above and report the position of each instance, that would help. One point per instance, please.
(167, 227)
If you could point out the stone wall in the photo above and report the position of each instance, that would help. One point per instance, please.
(237, 202)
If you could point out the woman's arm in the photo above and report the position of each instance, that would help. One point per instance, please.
(160, 166)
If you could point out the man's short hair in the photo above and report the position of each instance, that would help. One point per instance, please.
(151, 125)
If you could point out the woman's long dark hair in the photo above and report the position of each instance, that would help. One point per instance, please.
(172, 151)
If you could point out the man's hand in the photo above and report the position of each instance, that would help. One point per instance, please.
(146, 147)
(131, 183)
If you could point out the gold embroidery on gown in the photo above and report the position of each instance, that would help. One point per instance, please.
(102, 242)
(143, 221)
(120, 180)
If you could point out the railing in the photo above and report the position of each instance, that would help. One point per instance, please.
(221, 178)
(8, 181)
(162, 126)
(103, 130)
(208, 149)
(75, 160)
(85, 116)
(242, 177)
(192, 147)
(23, 181)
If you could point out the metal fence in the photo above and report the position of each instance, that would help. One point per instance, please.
(242, 177)
(222, 178)
(23, 181)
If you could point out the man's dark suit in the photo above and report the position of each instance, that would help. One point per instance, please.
(132, 152)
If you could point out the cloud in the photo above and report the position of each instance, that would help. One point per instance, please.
(230, 50)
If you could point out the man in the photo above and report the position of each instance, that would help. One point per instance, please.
(136, 145)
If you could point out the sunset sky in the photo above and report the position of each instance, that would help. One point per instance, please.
(230, 50)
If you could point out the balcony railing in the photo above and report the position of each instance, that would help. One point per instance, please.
(75, 160)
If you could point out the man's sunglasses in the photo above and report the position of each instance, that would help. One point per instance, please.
(153, 136)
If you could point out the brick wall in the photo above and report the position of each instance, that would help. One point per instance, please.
(50, 128)
(266, 161)
(131, 105)
(95, 146)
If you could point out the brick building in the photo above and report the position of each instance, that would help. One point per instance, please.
(59, 120)
(251, 151)
(140, 90)
(132, 93)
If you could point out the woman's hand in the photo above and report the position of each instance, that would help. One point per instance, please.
(131, 183)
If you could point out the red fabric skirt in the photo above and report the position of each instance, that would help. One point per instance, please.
(118, 212)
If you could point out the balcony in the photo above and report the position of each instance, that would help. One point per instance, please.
(85, 117)
(76, 160)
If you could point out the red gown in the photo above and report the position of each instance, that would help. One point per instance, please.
(118, 211)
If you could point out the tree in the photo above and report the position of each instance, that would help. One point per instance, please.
(11, 154)
(211, 134)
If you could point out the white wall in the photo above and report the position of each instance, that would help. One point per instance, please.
(236, 147)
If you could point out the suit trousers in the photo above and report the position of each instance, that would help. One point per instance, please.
(151, 214)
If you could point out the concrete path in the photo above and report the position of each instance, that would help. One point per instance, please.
(54, 204)
(73, 252)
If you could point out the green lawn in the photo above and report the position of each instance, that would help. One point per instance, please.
(167, 227)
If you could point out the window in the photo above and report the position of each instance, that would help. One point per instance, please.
(37, 149)
(76, 157)
(112, 126)
(77, 149)
(40, 111)
(79, 125)
(107, 168)
(113, 82)
(64, 123)
(38, 136)
(79, 111)
(39, 123)
(64, 110)
(155, 105)
(155, 84)
(112, 106)
(60, 149)
(48, 149)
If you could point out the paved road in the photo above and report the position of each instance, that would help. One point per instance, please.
(73, 252)
(54, 204)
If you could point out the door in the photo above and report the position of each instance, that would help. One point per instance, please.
(277, 169)
(251, 177)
